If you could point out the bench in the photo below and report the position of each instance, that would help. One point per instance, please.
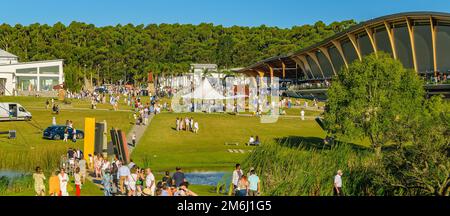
(232, 143)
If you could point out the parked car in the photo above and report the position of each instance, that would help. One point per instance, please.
(56, 132)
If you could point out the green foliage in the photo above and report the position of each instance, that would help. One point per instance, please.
(422, 168)
(305, 171)
(375, 98)
(128, 52)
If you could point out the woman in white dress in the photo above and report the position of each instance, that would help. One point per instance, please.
(132, 178)
(63, 180)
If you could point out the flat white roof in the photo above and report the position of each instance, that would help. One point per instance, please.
(33, 62)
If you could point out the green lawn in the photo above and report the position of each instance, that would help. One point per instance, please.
(16, 153)
(162, 147)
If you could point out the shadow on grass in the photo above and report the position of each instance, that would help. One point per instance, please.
(314, 143)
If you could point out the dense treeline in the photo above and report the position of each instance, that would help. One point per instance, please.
(112, 53)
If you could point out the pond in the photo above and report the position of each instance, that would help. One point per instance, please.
(207, 178)
(10, 174)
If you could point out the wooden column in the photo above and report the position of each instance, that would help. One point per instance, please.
(411, 38)
(390, 33)
(327, 55)
(338, 46)
(433, 41)
(372, 41)
(355, 44)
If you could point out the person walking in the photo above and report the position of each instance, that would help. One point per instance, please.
(337, 189)
(66, 134)
(63, 180)
(150, 181)
(83, 169)
(77, 178)
(237, 174)
(133, 139)
(53, 184)
(254, 183)
(106, 182)
(132, 179)
(302, 115)
(242, 186)
(178, 177)
(123, 174)
(39, 178)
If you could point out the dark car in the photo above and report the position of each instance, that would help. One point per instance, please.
(57, 132)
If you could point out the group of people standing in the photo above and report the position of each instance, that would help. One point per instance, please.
(245, 184)
(187, 124)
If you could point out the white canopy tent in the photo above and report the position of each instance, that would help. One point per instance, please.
(205, 91)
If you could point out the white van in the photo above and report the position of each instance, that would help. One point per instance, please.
(13, 111)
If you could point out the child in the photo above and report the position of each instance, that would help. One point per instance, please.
(196, 127)
(106, 182)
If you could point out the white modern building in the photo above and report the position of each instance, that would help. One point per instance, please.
(29, 78)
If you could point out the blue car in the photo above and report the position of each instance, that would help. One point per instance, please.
(57, 132)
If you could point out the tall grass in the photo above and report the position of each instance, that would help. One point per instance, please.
(48, 158)
(299, 170)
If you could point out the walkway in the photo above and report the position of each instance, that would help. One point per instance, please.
(139, 130)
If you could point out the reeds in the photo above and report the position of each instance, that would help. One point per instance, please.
(304, 171)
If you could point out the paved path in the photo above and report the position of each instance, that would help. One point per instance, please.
(139, 130)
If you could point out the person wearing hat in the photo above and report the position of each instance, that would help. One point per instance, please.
(254, 183)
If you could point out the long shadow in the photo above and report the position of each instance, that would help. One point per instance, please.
(314, 143)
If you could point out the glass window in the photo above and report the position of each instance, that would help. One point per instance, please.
(49, 70)
(27, 71)
(26, 83)
(47, 83)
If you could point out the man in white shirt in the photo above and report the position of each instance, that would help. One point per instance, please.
(251, 140)
(338, 184)
(302, 114)
(150, 181)
(237, 174)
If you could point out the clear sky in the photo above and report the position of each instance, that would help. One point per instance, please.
(282, 13)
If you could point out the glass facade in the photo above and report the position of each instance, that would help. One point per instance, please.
(403, 45)
(325, 65)
(315, 69)
(27, 71)
(336, 58)
(349, 51)
(49, 70)
(443, 47)
(26, 83)
(365, 46)
(382, 41)
(47, 83)
(424, 48)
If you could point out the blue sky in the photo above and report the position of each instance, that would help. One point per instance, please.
(282, 13)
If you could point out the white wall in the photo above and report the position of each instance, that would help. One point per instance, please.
(9, 72)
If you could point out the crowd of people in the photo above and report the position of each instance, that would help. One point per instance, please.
(117, 178)
(186, 124)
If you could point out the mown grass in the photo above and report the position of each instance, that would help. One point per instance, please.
(162, 147)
